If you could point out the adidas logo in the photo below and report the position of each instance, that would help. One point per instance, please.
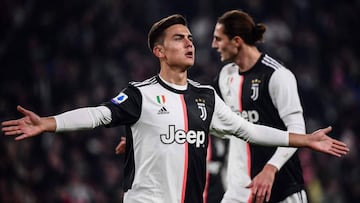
(163, 111)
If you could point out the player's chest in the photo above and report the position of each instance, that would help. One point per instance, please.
(246, 89)
(167, 108)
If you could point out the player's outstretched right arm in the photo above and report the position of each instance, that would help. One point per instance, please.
(28, 126)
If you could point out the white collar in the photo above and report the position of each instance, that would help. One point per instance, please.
(175, 86)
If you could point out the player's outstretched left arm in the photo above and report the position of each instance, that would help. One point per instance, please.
(319, 141)
(28, 126)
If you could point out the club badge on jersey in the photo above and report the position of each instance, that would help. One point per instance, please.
(255, 89)
(201, 105)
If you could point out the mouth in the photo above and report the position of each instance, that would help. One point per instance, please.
(189, 54)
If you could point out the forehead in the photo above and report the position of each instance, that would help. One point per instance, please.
(219, 29)
(177, 29)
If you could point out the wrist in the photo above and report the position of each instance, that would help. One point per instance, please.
(48, 124)
(298, 140)
(271, 168)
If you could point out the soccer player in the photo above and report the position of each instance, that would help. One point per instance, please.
(168, 119)
(263, 91)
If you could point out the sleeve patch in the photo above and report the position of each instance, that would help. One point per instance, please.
(120, 98)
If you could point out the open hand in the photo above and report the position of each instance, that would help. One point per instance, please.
(28, 126)
(262, 183)
(319, 141)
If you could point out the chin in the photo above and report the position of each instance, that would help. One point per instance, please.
(226, 60)
(189, 65)
(223, 59)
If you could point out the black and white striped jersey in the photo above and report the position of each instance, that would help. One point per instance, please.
(266, 94)
(167, 138)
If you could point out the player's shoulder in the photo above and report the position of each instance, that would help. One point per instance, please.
(278, 71)
(199, 85)
(275, 65)
(272, 63)
(229, 69)
(147, 82)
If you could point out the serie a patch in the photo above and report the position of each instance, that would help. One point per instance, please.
(120, 98)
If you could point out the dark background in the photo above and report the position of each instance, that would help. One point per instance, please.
(59, 55)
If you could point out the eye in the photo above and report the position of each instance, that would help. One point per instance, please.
(178, 37)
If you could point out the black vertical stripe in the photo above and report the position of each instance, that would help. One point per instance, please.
(196, 177)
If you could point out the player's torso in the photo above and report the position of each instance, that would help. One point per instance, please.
(248, 95)
(170, 143)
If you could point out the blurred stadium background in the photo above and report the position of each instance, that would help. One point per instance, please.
(58, 55)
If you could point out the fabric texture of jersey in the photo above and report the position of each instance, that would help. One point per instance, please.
(248, 95)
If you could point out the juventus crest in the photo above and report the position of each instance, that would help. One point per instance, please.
(201, 105)
(255, 89)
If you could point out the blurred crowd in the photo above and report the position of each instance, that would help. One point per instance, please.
(59, 55)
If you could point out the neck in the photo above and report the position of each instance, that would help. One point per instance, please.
(247, 58)
(174, 75)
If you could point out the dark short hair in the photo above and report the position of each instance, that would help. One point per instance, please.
(239, 23)
(157, 30)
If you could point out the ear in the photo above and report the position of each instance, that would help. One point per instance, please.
(238, 41)
(158, 51)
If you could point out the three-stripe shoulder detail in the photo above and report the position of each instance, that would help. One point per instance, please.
(197, 84)
(149, 81)
(272, 63)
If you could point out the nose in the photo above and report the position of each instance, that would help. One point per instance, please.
(189, 42)
(214, 44)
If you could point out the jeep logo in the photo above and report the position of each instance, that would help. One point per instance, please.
(250, 115)
(180, 136)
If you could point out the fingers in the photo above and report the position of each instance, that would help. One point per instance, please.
(334, 147)
(15, 122)
(23, 110)
(267, 196)
(14, 131)
(342, 147)
(21, 137)
(340, 144)
(324, 130)
(327, 130)
(339, 150)
(120, 148)
(12, 128)
(260, 195)
(263, 193)
(10, 123)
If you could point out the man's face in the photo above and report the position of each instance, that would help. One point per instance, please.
(225, 46)
(178, 47)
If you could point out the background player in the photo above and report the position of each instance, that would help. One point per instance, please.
(263, 91)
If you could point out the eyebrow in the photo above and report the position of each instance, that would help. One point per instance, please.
(183, 35)
(217, 37)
